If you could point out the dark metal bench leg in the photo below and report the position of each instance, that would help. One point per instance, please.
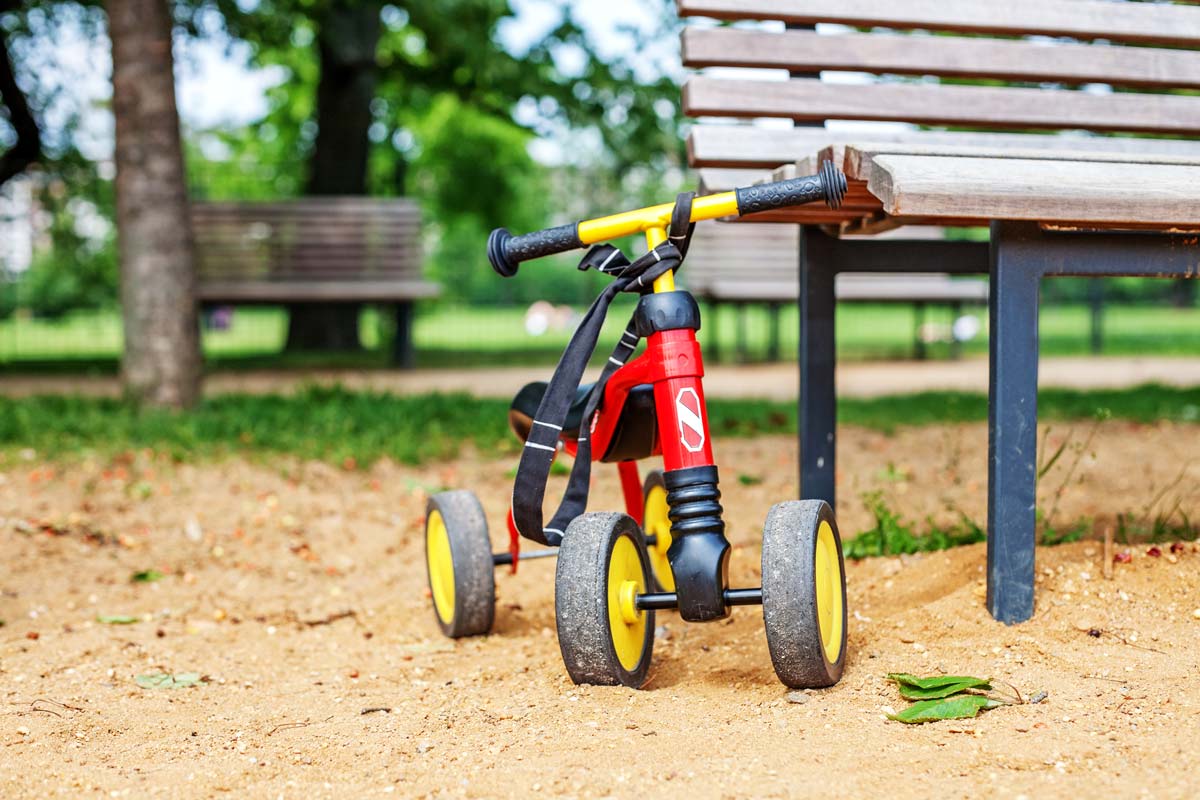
(818, 357)
(740, 352)
(955, 344)
(773, 334)
(402, 344)
(1096, 304)
(919, 351)
(1012, 427)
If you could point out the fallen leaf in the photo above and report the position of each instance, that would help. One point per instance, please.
(165, 680)
(913, 693)
(932, 682)
(117, 619)
(146, 576)
(962, 706)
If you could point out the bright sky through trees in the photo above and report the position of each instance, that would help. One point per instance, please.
(216, 85)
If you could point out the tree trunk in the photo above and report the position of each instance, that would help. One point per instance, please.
(346, 44)
(161, 360)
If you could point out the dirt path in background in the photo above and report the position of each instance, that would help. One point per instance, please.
(770, 381)
(299, 591)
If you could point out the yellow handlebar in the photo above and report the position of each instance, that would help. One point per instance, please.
(602, 229)
(506, 251)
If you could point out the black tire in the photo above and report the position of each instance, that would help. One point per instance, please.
(792, 611)
(473, 607)
(660, 568)
(582, 607)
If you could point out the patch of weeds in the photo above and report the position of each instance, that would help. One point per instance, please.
(1051, 536)
(1050, 533)
(892, 535)
(893, 475)
(749, 480)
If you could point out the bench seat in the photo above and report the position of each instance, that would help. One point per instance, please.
(314, 250)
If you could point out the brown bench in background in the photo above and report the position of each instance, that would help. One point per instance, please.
(1058, 203)
(740, 265)
(314, 250)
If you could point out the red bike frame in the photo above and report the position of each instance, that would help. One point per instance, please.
(673, 365)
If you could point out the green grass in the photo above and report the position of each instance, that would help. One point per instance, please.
(335, 424)
(891, 535)
(454, 336)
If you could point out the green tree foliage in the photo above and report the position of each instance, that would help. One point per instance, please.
(452, 118)
(74, 266)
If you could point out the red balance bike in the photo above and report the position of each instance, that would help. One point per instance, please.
(668, 549)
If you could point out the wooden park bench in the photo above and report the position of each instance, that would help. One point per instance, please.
(314, 250)
(740, 265)
(1064, 201)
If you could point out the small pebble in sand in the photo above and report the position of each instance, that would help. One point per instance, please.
(797, 697)
(1196, 613)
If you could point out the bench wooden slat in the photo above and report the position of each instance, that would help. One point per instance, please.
(1046, 191)
(738, 146)
(807, 51)
(1081, 19)
(807, 99)
(348, 249)
(854, 158)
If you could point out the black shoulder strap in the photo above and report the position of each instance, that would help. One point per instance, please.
(529, 489)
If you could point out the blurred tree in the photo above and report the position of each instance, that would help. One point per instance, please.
(388, 75)
(160, 364)
(27, 147)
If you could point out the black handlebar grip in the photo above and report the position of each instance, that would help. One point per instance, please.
(829, 185)
(506, 252)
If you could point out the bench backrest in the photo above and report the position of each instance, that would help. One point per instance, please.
(1096, 86)
(316, 239)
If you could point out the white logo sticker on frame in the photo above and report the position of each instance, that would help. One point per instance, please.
(691, 426)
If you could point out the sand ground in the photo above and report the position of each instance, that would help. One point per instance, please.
(298, 591)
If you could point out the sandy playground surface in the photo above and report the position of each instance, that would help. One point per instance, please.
(298, 591)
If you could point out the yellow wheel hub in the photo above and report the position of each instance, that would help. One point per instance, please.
(828, 574)
(655, 522)
(441, 566)
(626, 624)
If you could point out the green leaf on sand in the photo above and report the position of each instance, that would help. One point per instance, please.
(165, 680)
(963, 706)
(913, 693)
(914, 688)
(117, 619)
(934, 682)
(146, 576)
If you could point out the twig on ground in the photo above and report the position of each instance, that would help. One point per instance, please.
(374, 709)
(312, 623)
(56, 703)
(1136, 646)
(1102, 678)
(283, 726)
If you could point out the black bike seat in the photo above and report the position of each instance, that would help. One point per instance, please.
(525, 405)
